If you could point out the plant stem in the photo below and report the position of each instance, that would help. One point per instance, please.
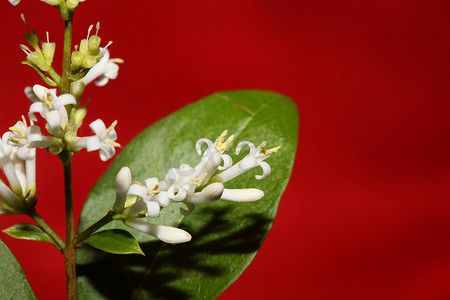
(66, 159)
(69, 251)
(87, 232)
(49, 230)
(64, 86)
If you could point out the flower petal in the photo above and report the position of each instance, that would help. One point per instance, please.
(210, 193)
(138, 190)
(152, 209)
(266, 170)
(98, 127)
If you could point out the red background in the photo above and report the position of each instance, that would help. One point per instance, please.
(367, 211)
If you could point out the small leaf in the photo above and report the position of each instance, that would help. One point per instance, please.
(13, 283)
(115, 241)
(27, 231)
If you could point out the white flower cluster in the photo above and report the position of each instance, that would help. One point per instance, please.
(71, 4)
(62, 121)
(189, 185)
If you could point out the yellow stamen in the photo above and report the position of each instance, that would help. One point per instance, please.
(24, 121)
(109, 129)
(221, 145)
(48, 100)
(112, 143)
(137, 182)
(16, 140)
(264, 152)
(155, 191)
(17, 130)
(198, 180)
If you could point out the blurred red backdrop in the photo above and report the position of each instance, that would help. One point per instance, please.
(367, 211)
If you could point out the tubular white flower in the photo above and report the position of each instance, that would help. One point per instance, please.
(19, 166)
(146, 193)
(166, 234)
(6, 154)
(255, 158)
(210, 193)
(50, 107)
(103, 140)
(180, 182)
(220, 146)
(122, 185)
(8, 198)
(104, 70)
(25, 137)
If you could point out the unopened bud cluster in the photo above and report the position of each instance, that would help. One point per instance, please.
(42, 56)
(87, 53)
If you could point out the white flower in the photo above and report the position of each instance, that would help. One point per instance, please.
(147, 193)
(20, 170)
(103, 140)
(104, 70)
(25, 137)
(218, 147)
(14, 2)
(51, 108)
(255, 158)
(181, 183)
(166, 234)
(122, 185)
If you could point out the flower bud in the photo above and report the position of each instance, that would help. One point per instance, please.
(32, 39)
(77, 59)
(122, 185)
(48, 50)
(88, 62)
(52, 2)
(80, 114)
(94, 43)
(38, 59)
(72, 4)
(84, 48)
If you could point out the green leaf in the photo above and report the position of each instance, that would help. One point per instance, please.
(13, 283)
(115, 241)
(225, 235)
(27, 231)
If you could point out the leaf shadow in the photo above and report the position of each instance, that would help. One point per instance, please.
(118, 276)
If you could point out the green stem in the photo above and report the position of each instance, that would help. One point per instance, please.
(69, 250)
(64, 86)
(47, 228)
(65, 14)
(55, 76)
(93, 228)
(42, 74)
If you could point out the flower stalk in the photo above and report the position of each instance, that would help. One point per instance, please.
(93, 228)
(69, 250)
(64, 86)
(60, 244)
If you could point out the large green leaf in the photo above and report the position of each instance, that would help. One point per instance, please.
(13, 283)
(225, 235)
